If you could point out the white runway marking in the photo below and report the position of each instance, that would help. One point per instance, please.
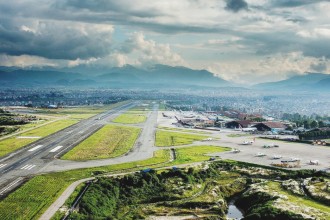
(2, 165)
(28, 137)
(10, 185)
(35, 148)
(56, 149)
(28, 167)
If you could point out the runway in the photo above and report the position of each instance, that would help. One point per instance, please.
(33, 158)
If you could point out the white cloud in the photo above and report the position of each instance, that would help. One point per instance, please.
(25, 61)
(273, 68)
(77, 62)
(149, 52)
(315, 33)
(258, 43)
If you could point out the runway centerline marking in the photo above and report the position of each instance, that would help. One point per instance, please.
(56, 149)
(35, 148)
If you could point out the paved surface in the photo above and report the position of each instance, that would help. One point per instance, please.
(61, 200)
(40, 157)
(66, 194)
(288, 150)
(35, 157)
(143, 149)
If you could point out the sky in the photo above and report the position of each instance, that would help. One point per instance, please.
(245, 41)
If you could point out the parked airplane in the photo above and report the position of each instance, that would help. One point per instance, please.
(275, 157)
(294, 159)
(235, 150)
(247, 142)
(270, 145)
(259, 154)
(314, 162)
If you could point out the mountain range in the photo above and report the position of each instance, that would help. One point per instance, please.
(116, 77)
(157, 76)
(308, 82)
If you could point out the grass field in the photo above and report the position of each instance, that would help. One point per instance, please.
(110, 141)
(167, 138)
(162, 107)
(35, 196)
(299, 200)
(130, 118)
(13, 143)
(197, 153)
(135, 115)
(73, 115)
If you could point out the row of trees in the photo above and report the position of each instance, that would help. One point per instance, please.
(308, 122)
(299, 117)
(313, 135)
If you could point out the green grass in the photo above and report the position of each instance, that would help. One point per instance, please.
(167, 138)
(197, 153)
(11, 144)
(130, 118)
(110, 141)
(32, 125)
(299, 200)
(73, 115)
(162, 107)
(34, 197)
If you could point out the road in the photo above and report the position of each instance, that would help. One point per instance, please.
(143, 149)
(48, 214)
(234, 139)
(35, 157)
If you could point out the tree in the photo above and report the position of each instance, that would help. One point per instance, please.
(307, 124)
(289, 128)
(314, 124)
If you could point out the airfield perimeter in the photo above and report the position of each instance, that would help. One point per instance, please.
(44, 159)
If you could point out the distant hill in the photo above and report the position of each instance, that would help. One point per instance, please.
(21, 77)
(323, 84)
(162, 74)
(310, 81)
(158, 76)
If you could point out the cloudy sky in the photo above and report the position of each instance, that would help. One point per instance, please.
(246, 41)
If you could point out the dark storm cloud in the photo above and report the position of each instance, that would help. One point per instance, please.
(52, 40)
(286, 42)
(317, 48)
(125, 13)
(236, 5)
(109, 6)
(318, 67)
(295, 3)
